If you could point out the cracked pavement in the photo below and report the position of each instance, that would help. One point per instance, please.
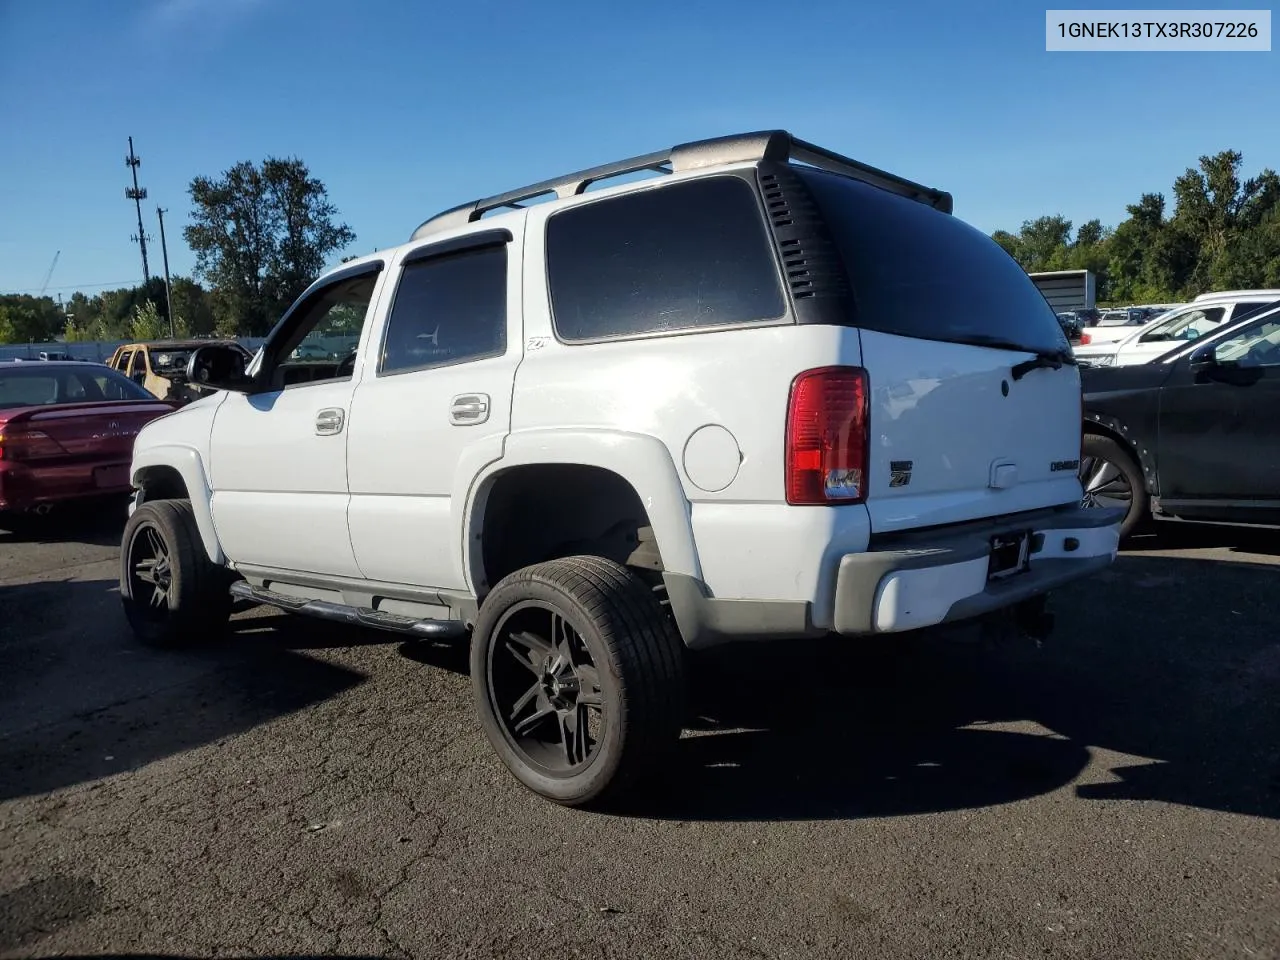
(302, 788)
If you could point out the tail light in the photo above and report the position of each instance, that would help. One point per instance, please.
(1085, 338)
(827, 438)
(28, 445)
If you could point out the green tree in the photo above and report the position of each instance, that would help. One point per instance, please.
(261, 234)
(192, 307)
(28, 319)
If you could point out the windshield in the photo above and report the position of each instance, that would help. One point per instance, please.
(920, 273)
(40, 386)
(1186, 324)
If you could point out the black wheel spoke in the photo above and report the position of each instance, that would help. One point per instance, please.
(541, 713)
(529, 651)
(589, 694)
(574, 735)
(528, 697)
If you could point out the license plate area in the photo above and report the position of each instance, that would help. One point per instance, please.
(1010, 554)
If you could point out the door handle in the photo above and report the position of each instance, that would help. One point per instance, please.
(329, 421)
(469, 408)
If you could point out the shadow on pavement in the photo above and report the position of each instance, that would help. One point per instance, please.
(81, 699)
(99, 522)
(1176, 535)
(1173, 662)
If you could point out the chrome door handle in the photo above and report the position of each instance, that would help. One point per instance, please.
(329, 421)
(469, 408)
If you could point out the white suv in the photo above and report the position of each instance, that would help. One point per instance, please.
(1203, 315)
(770, 392)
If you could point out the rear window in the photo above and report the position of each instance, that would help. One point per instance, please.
(31, 387)
(683, 256)
(917, 272)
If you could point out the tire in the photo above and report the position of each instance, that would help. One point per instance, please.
(196, 602)
(624, 655)
(1117, 480)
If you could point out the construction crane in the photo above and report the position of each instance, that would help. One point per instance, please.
(49, 275)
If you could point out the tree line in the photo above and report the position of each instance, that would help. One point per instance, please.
(262, 232)
(1222, 233)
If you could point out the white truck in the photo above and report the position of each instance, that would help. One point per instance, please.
(769, 392)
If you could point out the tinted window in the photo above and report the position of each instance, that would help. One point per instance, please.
(37, 387)
(679, 257)
(917, 272)
(1258, 345)
(447, 310)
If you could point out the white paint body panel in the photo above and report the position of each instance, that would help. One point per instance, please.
(1132, 350)
(956, 413)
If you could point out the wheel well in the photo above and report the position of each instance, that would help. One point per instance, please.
(547, 511)
(1125, 444)
(163, 483)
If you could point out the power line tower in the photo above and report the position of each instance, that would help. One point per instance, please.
(137, 195)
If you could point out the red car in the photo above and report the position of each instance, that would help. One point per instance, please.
(66, 433)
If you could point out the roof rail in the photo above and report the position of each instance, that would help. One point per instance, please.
(1218, 294)
(774, 145)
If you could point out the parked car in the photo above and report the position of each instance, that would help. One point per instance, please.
(1120, 328)
(161, 366)
(1071, 325)
(66, 433)
(1193, 435)
(1204, 315)
(598, 431)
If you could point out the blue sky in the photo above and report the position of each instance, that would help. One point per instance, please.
(404, 109)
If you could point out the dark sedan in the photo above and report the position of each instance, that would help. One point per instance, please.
(1192, 435)
(66, 433)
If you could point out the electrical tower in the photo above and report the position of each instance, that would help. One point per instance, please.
(137, 195)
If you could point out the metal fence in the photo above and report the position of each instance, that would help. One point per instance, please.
(92, 350)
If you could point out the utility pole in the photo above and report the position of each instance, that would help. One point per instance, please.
(168, 296)
(137, 195)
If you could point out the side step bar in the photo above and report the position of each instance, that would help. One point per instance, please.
(356, 616)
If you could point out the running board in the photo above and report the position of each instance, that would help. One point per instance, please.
(355, 616)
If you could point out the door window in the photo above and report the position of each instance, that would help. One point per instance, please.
(122, 362)
(1258, 345)
(320, 342)
(447, 310)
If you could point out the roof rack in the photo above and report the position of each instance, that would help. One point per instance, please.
(773, 145)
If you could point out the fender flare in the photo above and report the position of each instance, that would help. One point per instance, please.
(1111, 426)
(185, 460)
(642, 461)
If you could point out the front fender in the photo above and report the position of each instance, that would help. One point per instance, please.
(643, 461)
(186, 461)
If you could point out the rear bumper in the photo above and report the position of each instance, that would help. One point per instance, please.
(23, 486)
(911, 580)
(921, 580)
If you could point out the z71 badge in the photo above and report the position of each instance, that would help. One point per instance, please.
(900, 472)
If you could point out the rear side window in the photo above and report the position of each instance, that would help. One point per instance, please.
(448, 309)
(917, 272)
(683, 256)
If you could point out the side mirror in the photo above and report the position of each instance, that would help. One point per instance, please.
(219, 367)
(1204, 360)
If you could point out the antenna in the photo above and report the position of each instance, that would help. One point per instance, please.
(137, 195)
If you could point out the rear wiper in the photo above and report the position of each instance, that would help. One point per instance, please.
(1050, 359)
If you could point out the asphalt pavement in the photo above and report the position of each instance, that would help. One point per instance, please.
(302, 788)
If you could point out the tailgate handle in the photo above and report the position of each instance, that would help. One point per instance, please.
(1004, 474)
